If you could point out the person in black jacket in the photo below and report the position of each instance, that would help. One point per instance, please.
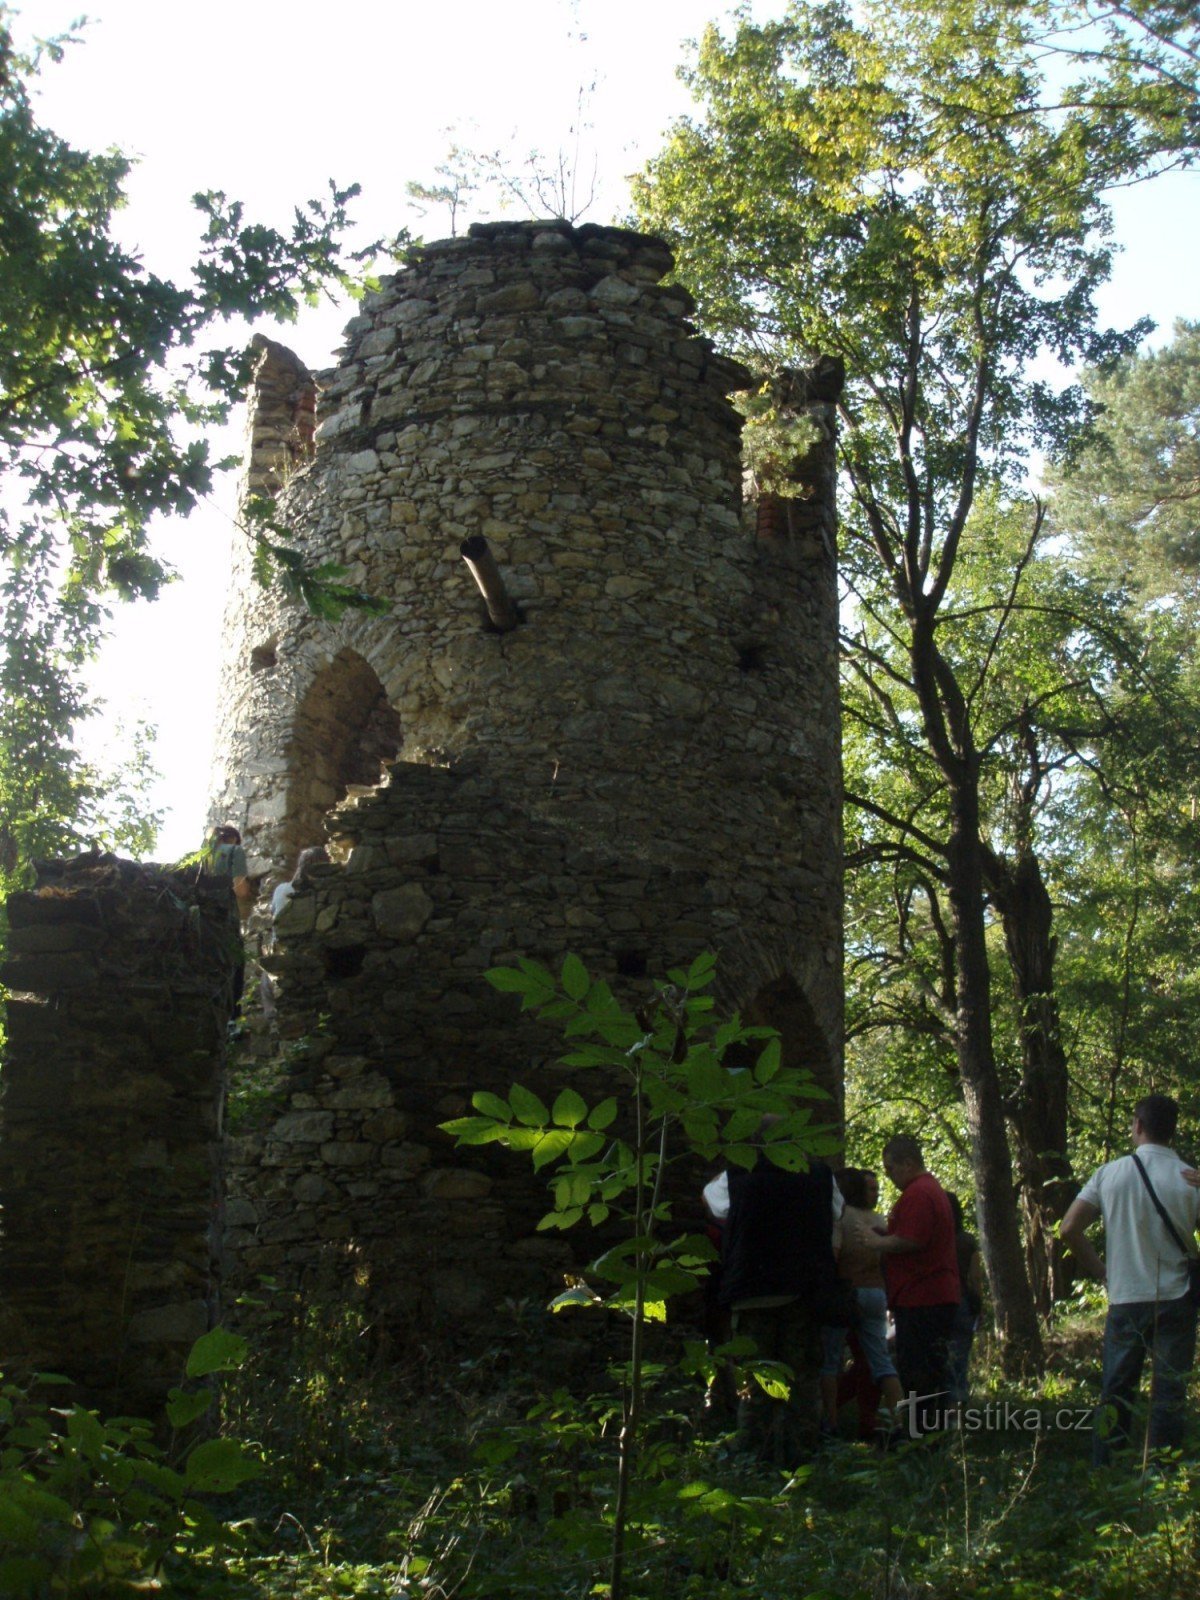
(778, 1277)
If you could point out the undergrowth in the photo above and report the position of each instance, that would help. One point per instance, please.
(431, 1477)
(479, 1479)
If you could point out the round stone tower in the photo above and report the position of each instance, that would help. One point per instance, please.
(631, 750)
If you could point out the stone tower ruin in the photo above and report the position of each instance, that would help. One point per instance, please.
(638, 761)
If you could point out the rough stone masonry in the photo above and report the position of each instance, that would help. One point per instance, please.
(110, 1122)
(647, 765)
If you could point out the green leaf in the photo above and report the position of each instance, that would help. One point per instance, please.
(218, 1465)
(769, 1061)
(773, 1377)
(550, 1146)
(478, 1130)
(586, 1145)
(491, 1105)
(511, 980)
(560, 1219)
(575, 980)
(184, 1406)
(603, 1115)
(595, 1055)
(601, 1002)
(702, 971)
(527, 1108)
(218, 1351)
(569, 1109)
(86, 1432)
(741, 1155)
(706, 1079)
(578, 1295)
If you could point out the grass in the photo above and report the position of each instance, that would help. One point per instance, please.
(416, 1480)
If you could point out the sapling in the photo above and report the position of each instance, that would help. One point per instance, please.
(672, 1084)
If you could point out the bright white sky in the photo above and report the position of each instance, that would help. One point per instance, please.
(269, 100)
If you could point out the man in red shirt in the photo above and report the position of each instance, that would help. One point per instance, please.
(921, 1270)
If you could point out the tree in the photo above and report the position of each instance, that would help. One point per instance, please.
(1140, 61)
(678, 1097)
(890, 191)
(1131, 497)
(1126, 507)
(106, 381)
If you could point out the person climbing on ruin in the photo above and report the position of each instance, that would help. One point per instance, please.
(224, 857)
(315, 855)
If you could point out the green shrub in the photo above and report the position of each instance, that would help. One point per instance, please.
(93, 1508)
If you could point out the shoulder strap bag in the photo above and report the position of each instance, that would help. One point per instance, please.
(1193, 1262)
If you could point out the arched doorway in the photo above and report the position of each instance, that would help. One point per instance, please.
(345, 729)
(783, 1005)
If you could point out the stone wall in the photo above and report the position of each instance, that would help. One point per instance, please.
(647, 766)
(110, 1103)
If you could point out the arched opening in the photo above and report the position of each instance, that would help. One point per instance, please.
(344, 730)
(783, 1005)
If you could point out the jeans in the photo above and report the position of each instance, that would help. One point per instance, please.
(961, 1340)
(1166, 1331)
(872, 1336)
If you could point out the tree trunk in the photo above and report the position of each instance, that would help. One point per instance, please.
(1000, 1235)
(1039, 1108)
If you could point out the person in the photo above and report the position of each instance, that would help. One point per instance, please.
(720, 1395)
(315, 855)
(970, 1278)
(921, 1269)
(779, 1272)
(1150, 1312)
(224, 857)
(859, 1266)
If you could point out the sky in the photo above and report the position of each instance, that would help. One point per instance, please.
(268, 101)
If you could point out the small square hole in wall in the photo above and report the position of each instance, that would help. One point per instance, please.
(262, 657)
(344, 961)
(631, 963)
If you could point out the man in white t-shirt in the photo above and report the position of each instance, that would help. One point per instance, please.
(1146, 1273)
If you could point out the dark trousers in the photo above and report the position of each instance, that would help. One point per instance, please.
(923, 1361)
(1165, 1331)
(782, 1433)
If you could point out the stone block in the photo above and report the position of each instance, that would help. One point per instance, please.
(310, 1189)
(40, 938)
(404, 1160)
(455, 1183)
(369, 1093)
(401, 913)
(177, 1324)
(303, 1127)
(520, 296)
(385, 1126)
(48, 973)
(411, 847)
(298, 916)
(339, 1153)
